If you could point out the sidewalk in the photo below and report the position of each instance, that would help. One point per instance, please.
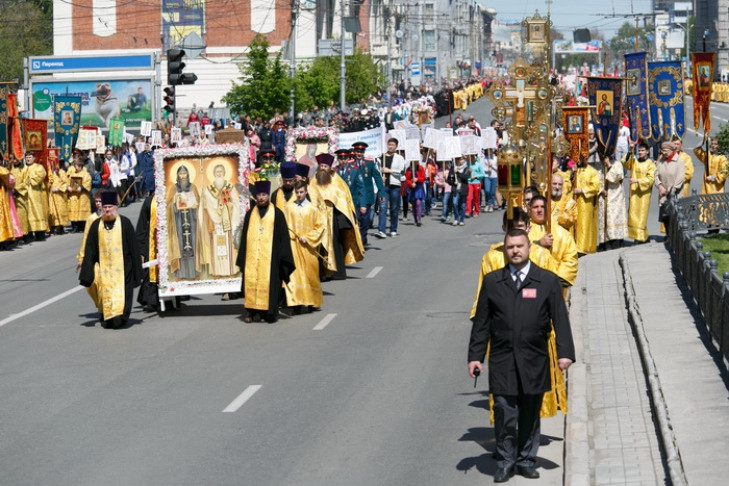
(612, 430)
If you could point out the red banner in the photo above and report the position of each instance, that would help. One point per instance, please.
(575, 124)
(35, 135)
(703, 77)
(14, 132)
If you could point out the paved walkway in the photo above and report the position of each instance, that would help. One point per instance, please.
(616, 415)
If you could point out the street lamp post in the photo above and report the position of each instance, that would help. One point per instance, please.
(342, 67)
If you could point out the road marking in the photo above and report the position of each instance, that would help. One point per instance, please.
(324, 322)
(242, 398)
(374, 272)
(36, 307)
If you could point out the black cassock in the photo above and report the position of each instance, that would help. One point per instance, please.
(147, 291)
(282, 258)
(132, 262)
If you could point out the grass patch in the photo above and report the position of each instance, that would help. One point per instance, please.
(718, 245)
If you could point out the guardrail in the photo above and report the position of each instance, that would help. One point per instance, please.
(688, 217)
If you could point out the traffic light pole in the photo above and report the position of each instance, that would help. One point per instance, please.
(157, 86)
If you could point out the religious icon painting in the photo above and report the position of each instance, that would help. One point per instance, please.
(537, 32)
(604, 103)
(201, 198)
(704, 70)
(633, 87)
(664, 87)
(304, 144)
(67, 118)
(575, 124)
(542, 93)
(33, 141)
(498, 94)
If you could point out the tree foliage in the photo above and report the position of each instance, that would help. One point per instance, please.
(624, 40)
(723, 138)
(319, 85)
(264, 87)
(26, 29)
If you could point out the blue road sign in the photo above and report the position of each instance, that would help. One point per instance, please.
(61, 64)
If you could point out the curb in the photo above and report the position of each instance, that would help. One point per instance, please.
(658, 403)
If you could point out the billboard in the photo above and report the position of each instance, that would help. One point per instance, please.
(569, 47)
(102, 99)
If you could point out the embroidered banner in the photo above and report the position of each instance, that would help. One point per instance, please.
(636, 90)
(605, 95)
(574, 121)
(66, 120)
(703, 77)
(15, 138)
(4, 121)
(35, 136)
(665, 99)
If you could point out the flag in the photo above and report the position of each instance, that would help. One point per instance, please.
(116, 132)
(4, 121)
(665, 99)
(574, 121)
(605, 95)
(703, 76)
(66, 120)
(637, 95)
(15, 138)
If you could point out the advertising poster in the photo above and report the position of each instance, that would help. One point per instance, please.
(101, 100)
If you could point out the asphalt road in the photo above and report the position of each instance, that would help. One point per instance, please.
(371, 390)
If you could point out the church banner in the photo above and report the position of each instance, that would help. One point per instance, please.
(665, 98)
(35, 136)
(66, 121)
(15, 138)
(703, 77)
(116, 132)
(605, 95)
(637, 95)
(574, 121)
(201, 198)
(4, 120)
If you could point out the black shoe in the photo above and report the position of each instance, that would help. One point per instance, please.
(503, 474)
(529, 472)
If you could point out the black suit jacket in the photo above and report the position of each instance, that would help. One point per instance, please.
(518, 323)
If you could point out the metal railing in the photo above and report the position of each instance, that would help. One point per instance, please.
(688, 217)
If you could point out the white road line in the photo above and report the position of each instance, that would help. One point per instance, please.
(374, 272)
(242, 398)
(324, 322)
(48, 302)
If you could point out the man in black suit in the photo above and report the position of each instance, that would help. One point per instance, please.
(516, 308)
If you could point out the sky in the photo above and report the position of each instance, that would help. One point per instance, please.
(568, 15)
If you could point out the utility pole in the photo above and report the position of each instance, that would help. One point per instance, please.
(292, 57)
(342, 67)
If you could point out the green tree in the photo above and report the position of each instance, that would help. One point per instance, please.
(26, 29)
(264, 85)
(318, 84)
(624, 40)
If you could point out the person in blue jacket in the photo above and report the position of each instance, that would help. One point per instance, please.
(372, 180)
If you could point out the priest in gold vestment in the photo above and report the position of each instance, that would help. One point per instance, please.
(564, 207)
(37, 197)
(342, 242)
(587, 187)
(111, 261)
(306, 231)
(92, 289)
(79, 193)
(58, 200)
(20, 195)
(264, 257)
(7, 182)
(716, 171)
(558, 241)
(642, 172)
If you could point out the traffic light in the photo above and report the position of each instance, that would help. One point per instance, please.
(175, 66)
(169, 98)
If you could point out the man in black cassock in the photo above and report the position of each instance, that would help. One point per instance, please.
(118, 274)
(148, 296)
(265, 258)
